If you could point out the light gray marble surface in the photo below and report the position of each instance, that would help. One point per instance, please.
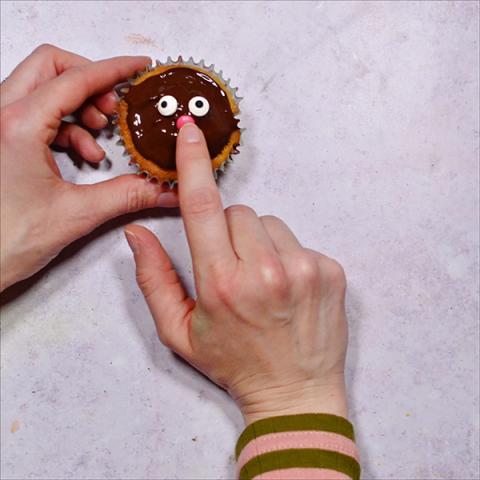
(362, 134)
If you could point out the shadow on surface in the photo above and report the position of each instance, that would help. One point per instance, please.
(170, 363)
(68, 252)
(355, 314)
(145, 326)
(78, 161)
(208, 391)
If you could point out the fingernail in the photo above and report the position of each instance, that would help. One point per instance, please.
(191, 133)
(112, 96)
(101, 151)
(104, 119)
(132, 241)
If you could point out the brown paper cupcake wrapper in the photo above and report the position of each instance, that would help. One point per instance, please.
(123, 88)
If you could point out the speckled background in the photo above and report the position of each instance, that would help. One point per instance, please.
(362, 134)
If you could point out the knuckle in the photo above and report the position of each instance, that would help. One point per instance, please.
(201, 202)
(273, 224)
(307, 268)
(221, 289)
(270, 219)
(147, 281)
(78, 74)
(224, 293)
(45, 48)
(135, 200)
(272, 275)
(9, 121)
(335, 274)
(222, 286)
(238, 211)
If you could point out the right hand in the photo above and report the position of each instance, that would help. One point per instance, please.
(269, 322)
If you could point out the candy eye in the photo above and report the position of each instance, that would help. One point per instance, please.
(167, 105)
(198, 106)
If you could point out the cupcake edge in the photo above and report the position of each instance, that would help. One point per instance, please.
(150, 169)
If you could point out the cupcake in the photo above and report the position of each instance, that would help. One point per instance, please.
(159, 101)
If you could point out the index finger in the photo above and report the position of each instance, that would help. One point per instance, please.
(66, 93)
(200, 202)
(43, 64)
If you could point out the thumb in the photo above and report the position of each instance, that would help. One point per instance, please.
(161, 286)
(124, 194)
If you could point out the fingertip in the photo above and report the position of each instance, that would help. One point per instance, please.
(102, 119)
(94, 152)
(136, 230)
(93, 118)
(142, 235)
(168, 199)
(131, 240)
(73, 136)
(138, 62)
(107, 103)
(146, 246)
(145, 59)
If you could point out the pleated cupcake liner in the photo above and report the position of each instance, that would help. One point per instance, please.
(123, 88)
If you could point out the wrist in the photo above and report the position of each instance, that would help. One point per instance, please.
(23, 252)
(8, 267)
(308, 397)
(9, 271)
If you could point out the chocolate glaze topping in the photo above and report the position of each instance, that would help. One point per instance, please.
(154, 135)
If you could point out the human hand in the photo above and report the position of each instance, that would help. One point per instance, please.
(268, 324)
(40, 212)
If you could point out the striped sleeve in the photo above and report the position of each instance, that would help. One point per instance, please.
(308, 446)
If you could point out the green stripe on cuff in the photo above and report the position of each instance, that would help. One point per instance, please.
(291, 423)
(300, 458)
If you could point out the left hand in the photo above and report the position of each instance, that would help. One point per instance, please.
(40, 212)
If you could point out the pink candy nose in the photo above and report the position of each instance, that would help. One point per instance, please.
(183, 120)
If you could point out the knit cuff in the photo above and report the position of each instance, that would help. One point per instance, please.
(306, 446)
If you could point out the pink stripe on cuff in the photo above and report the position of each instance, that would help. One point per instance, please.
(303, 439)
(302, 474)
